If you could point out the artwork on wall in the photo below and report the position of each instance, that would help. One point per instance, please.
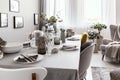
(3, 20)
(18, 22)
(36, 18)
(14, 5)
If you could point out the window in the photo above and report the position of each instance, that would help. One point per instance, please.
(55, 7)
(78, 13)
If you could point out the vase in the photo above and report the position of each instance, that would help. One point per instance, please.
(98, 42)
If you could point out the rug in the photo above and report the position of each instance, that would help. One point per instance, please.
(101, 73)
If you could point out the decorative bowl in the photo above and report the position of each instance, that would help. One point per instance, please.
(12, 47)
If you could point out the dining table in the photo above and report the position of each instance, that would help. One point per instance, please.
(63, 65)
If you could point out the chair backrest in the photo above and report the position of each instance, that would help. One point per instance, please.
(84, 37)
(23, 73)
(113, 32)
(85, 58)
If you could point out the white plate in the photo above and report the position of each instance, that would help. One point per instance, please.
(39, 58)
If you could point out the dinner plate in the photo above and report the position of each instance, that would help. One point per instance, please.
(22, 60)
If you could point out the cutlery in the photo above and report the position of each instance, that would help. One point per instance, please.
(27, 58)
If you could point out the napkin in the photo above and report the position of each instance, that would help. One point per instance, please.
(20, 59)
(73, 39)
(69, 47)
(31, 57)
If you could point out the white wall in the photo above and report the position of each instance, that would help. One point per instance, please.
(27, 9)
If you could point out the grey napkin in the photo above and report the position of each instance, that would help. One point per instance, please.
(22, 59)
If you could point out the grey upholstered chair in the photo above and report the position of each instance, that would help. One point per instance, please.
(85, 58)
(114, 37)
(115, 74)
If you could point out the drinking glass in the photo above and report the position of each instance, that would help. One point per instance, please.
(50, 43)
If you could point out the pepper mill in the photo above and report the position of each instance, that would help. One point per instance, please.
(63, 35)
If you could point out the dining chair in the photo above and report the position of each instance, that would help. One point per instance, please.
(114, 37)
(115, 74)
(31, 73)
(85, 58)
(84, 37)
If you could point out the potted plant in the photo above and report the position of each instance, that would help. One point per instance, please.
(99, 38)
(43, 20)
(92, 35)
(99, 27)
(51, 21)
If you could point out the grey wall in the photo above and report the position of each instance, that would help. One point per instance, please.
(27, 9)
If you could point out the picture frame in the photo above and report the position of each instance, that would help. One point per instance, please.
(36, 15)
(18, 22)
(14, 5)
(3, 20)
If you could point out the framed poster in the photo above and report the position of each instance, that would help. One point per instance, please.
(36, 19)
(18, 22)
(14, 5)
(3, 20)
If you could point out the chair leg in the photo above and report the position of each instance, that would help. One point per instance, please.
(103, 57)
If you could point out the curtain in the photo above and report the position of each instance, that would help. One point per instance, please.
(108, 12)
(76, 13)
(108, 15)
(42, 10)
(42, 6)
(68, 10)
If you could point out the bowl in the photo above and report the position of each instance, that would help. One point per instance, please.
(12, 47)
